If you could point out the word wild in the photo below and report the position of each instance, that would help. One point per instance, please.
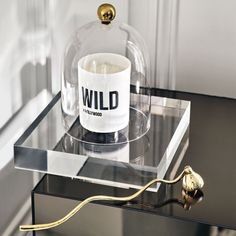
(97, 99)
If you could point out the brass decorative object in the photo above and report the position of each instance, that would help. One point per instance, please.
(192, 182)
(191, 198)
(106, 13)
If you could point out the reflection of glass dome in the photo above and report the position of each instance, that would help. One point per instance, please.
(97, 75)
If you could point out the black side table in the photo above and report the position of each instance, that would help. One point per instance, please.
(211, 152)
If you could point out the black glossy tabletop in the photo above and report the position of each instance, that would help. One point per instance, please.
(211, 152)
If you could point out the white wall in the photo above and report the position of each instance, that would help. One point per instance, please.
(202, 32)
(206, 61)
(156, 21)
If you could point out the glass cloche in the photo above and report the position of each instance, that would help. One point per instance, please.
(105, 82)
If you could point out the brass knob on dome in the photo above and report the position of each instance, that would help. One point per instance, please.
(106, 13)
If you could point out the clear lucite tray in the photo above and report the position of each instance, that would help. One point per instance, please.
(47, 148)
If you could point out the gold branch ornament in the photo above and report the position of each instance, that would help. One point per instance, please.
(191, 182)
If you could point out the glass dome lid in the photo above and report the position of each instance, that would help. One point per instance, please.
(105, 82)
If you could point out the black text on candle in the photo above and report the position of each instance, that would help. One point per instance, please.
(100, 100)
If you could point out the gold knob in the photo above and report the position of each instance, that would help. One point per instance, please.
(106, 13)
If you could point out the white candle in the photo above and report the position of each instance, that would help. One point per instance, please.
(104, 92)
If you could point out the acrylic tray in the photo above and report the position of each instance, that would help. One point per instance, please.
(47, 148)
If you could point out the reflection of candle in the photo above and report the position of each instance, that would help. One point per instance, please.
(119, 152)
(104, 86)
